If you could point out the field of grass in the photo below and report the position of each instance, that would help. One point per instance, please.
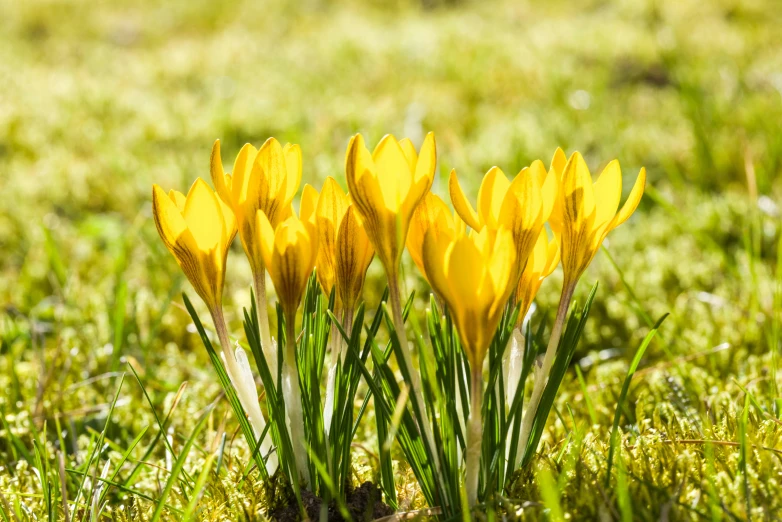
(102, 376)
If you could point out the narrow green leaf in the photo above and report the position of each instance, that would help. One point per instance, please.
(623, 395)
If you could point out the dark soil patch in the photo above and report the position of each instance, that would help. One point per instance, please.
(364, 503)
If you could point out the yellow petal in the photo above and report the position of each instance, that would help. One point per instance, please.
(521, 205)
(490, 196)
(422, 182)
(632, 200)
(332, 203)
(577, 192)
(461, 204)
(521, 214)
(229, 223)
(203, 216)
(266, 236)
(539, 256)
(543, 261)
(218, 174)
(552, 258)
(178, 198)
(309, 202)
(608, 192)
(500, 266)
(408, 149)
(434, 260)
(427, 160)
(358, 164)
(168, 218)
(353, 255)
(378, 220)
(331, 206)
(431, 214)
(312, 239)
(558, 162)
(241, 172)
(201, 268)
(464, 272)
(293, 169)
(549, 186)
(269, 182)
(292, 260)
(393, 172)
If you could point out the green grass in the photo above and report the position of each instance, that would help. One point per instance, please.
(100, 100)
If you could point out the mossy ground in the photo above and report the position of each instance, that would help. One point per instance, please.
(101, 99)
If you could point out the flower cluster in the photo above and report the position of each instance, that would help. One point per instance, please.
(476, 260)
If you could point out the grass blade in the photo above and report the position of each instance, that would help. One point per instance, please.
(623, 395)
(178, 466)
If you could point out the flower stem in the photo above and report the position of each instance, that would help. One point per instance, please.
(292, 394)
(335, 345)
(399, 326)
(262, 310)
(541, 376)
(474, 436)
(347, 325)
(244, 385)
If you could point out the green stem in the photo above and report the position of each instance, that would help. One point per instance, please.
(244, 385)
(292, 394)
(399, 327)
(474, 436)
(335, 345)
(262, 310)
(541, 375)
(347, 325)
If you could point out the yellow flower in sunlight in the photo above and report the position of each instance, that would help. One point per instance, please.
(354, 253)
(386, 186)
(541, 263)
(197, 230)
(331, 205)
(289, 253)
(432, 214)
(584, 213)
(344, 251)
(522, 205)
(471, 273)
(308, 203)
(264, 179)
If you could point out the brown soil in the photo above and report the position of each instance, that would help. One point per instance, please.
(364, 503)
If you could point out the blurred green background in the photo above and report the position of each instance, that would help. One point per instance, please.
(101, 99)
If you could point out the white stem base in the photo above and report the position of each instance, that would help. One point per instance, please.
(474, 438)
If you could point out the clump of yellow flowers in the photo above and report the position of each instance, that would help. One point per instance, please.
(478, 260)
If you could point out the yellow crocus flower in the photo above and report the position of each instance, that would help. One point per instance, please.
(344, 250)
(331, 205)
(432, 214)
(471, 274)
(542, 262)
(197, 230)
(522, 205)
(386, 186)
(264, 180)
(344, 254)
(584, 213)
(353, 256)
(289, 254)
